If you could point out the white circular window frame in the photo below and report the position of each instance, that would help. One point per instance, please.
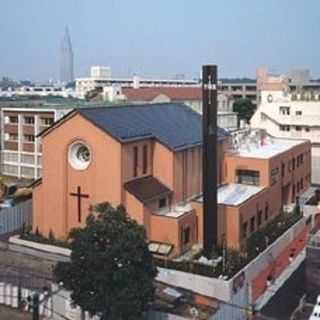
(74, 162)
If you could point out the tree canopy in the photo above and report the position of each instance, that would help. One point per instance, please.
(111, 270)
(245, 109)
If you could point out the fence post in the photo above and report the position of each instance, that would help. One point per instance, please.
(19, 292)
(35, 307)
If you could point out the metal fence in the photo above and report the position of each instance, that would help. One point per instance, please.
(15, 218)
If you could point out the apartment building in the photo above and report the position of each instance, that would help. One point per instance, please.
(149, 159)
(292, 114)
(239, 88)
(21, 150)
(40, 91)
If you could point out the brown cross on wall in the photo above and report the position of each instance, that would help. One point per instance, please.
(79, 195)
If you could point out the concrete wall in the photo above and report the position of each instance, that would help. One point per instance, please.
(210, 287)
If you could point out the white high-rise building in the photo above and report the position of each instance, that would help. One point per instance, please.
(292, 115)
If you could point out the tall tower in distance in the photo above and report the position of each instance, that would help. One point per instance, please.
(66, 58)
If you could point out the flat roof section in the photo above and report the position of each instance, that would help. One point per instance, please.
(267, 148)
(235, 194)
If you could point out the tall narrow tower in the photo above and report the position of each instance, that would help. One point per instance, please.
(209, 176)
(66, 58)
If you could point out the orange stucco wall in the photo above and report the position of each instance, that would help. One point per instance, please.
(187, 173)
(231, 219)
(101, 180)
(163, 164)
(169, 230)
(128, 159)
(234, 163)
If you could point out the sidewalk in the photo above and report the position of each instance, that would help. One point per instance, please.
(12, 314)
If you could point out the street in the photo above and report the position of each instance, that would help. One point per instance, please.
(12, 314)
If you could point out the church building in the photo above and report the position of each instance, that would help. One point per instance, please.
(149, 159)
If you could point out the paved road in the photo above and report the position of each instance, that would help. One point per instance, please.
(29, 272)
(285, 301)
(11, 314)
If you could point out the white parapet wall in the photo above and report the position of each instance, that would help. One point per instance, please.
(223, 289)
(210, 287)
(40, 246)
(39, 250)
(266, 257)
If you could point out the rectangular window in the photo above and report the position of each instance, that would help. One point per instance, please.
(186, 235)
(298, 113)
(245, 229)
(285, 111)
(13, 119)
(135, 161)
(293, 163)
(301, 183)
(266, 212)
(293, 193)
(28, 120)
(145, 159)
(284, 128)
(28, 138)
(248, 177)
(13, 137)
(162, 203)
(252, 224)
(298, 128)
(46, 121)
(283, 167)
(259, 218)
(274, 175)
(307, 129)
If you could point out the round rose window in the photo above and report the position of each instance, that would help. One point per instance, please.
(79, 155)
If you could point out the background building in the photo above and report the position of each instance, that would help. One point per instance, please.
(38, 91)
(291, 114)
(66, 59)
(22, 119)
(239, 88)
(21, 150)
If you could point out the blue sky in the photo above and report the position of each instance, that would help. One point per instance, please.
(159, 38)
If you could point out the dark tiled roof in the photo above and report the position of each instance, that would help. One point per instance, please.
(147, 188)
(173, 124)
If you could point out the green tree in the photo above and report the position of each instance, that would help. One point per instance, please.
(245, 109)
(111, 270)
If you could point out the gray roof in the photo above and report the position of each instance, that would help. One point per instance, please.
(174, 125)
